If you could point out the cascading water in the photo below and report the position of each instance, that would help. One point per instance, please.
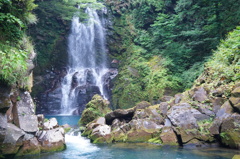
(87, 60)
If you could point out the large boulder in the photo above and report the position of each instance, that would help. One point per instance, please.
(168, 136)
(199, 94)
(23, 111)
(101, 134)
(98, 131)
(30, 146)
(224, 112)
(51, 140)
(13, 137)
(142, 130)
(151, 112)
(230, 131)
(185, 117)
(97, 107)
(125, 114)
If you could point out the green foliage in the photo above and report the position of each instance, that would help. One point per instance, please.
(13, 64)
(10, 27)
(181, 33)
(65, 9)
(224, 136)
(141, 79)
(225, 63)
(15, 46)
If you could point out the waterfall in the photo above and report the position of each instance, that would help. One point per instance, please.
(87, 61)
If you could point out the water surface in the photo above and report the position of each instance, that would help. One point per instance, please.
(80, 148)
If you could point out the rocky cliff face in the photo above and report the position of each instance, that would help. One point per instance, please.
(21, 131)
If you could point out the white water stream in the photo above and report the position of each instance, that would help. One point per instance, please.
(87, 59)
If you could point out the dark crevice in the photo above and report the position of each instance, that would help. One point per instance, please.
(234, 108)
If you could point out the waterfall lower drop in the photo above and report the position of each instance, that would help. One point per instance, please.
(87, 60)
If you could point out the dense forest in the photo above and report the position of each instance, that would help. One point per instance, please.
(164, 44)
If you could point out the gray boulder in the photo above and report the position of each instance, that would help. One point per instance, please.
(51, 140)
(12, 139)
(181, 116)
(24, 111)
(200, 94)
(50, 124)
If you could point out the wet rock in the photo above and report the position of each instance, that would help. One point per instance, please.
(118, 135)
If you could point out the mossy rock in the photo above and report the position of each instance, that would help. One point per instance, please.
(88, 115)
(230, 131)
(54, 148)
(142, 105)
(97, 107)
(236, 157)
(156, 140)
(138, 136)
(105, 139)
(119, 136)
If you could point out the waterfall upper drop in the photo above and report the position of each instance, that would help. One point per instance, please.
(88, 69)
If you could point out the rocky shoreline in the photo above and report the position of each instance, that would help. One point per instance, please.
(202, 116)
(21, 131)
